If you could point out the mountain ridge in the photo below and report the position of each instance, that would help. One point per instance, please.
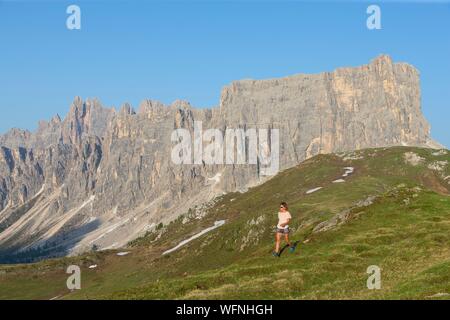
(121, 159)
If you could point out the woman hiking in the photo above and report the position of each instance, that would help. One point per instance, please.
(284, 217)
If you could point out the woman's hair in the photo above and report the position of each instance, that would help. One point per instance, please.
(284, 204)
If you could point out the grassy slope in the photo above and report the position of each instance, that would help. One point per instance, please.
(406, 232)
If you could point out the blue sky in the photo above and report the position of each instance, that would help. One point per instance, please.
(127, 51)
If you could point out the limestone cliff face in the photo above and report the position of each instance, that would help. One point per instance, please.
(101, 177)
(373, 105)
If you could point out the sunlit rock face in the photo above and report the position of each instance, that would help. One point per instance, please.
(101, 177)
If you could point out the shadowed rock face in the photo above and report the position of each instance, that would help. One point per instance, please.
(115, 169)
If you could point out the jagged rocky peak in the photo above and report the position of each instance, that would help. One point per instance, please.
(15, 138)
(56, 119)
(19, 132)
(127, 109)
(77, 108)
(151, 106)
(185, 114)
(74, 124)
(86, 118)
(383, 58)
(181, 104)
(384, 63)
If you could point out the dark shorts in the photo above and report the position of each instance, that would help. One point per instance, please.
(283, 231)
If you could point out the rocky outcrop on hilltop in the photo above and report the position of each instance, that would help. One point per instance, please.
(101, 177)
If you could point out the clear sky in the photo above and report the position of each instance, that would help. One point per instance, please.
(127, 51)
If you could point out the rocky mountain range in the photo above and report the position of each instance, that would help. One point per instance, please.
(99, 177)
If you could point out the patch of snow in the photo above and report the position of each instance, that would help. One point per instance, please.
(216, 225)
(339, 181)
(348, 171)
(93, 266)
(313, 190)
(121, 254)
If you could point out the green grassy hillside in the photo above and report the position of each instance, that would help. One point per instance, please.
(393, 211)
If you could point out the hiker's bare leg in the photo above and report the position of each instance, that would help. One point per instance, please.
(277, 242)
(286, 237)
